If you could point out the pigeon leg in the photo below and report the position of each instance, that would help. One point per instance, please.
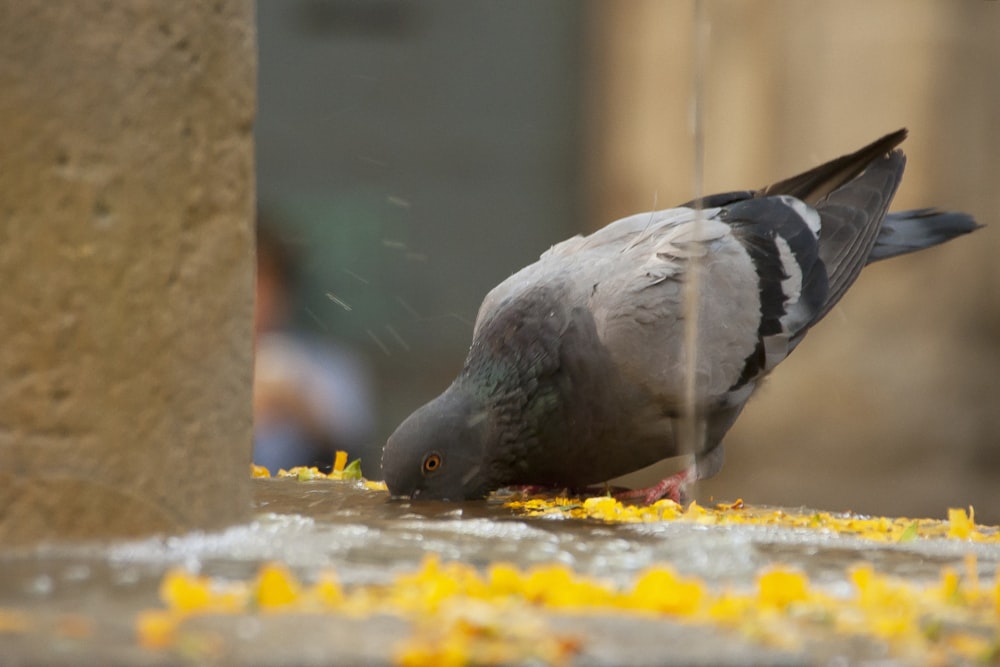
(673, 487)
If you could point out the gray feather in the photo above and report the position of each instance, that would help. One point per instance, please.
(851, 218)
(908, 231)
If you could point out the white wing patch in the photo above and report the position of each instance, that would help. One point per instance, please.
(809, 215)
(791, 286)
(796, 316)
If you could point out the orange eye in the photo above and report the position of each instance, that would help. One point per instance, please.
(431, 463)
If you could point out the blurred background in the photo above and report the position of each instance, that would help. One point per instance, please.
(412, 155)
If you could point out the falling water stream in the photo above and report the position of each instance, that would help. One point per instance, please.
(691, 434)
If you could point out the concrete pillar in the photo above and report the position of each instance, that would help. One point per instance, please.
(126, 248)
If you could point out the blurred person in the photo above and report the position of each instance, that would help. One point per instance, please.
(311, 397)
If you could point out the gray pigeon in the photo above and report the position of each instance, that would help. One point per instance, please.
(575, 374)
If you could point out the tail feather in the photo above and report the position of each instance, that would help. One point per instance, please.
(907, 231)
(851, 217)
(813, 185)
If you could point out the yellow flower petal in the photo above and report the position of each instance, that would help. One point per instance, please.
(156, 628)
(660, 589)
(12, 620)
(780, 588)
(339, 461)
(730, 608)
(960, 524)
(327, 590)
(185, 592)
(276, 587)
(505, 579)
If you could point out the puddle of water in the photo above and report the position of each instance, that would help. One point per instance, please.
(315, 525)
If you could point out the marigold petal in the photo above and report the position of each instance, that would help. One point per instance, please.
(339, 461)
(185, 592)
(960, 524)
(156, 628)
(779, 588)
(276, 587)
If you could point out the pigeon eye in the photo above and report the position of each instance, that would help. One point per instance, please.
(431, 463)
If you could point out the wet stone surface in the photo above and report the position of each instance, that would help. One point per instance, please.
(78, 604)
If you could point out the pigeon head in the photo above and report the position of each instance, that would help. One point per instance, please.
(437, 452)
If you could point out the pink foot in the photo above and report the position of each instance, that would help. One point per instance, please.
(673, 487)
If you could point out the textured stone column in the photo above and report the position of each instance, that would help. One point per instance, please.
(126, 248)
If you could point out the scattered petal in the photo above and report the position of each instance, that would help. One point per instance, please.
(156, 628)
(339, 461)
(276, 587)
